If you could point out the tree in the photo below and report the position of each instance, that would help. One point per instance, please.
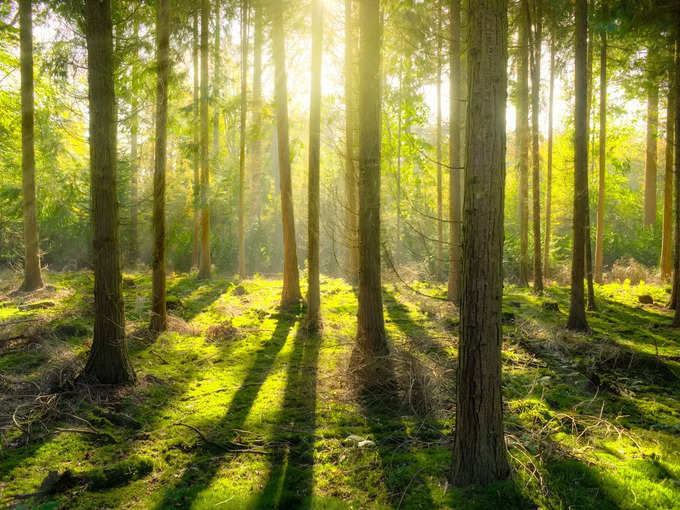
(371, 346)
(159, 316)
(455, 159)
(196, 159)
(438, 143)
(108, 360)
(290, 295)
(535, 147)
(523, 142)
(133, 253)
(548, 180)
(577, 314)
(204, 263)
(666, 263)
(652, 135)
(242, 142)
(676, 241)
(256, 143)
(313, 292)
(351, 206)
(603, 155)
(479, 453)
(32, 276)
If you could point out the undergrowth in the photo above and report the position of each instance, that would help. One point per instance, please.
(238, 407)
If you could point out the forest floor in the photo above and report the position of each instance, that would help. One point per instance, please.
(238, 407)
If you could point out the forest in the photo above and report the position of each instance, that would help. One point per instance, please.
(329, 254)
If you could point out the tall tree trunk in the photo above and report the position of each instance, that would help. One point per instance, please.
(371, 346)
(440, 206)
(195, 254)
(242, 143)
(204, 264)
(290, 294)
(577, 314)
(589, 101)
(479, 453)
(599, 257)
(548, 182)
(400, 124)
(650, 161)
(159, 316)
(523, 140)
(256, 143)
(455, 159)
(676, 241)
(313, 291)
(133, 252)
(351, 190)
(535, 134)
(32, 276)
(108, 360)
(666, 264)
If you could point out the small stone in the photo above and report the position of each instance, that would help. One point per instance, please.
(353, 439)
(646, 299)
(366, 443)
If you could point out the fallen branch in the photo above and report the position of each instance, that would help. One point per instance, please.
(218, 445)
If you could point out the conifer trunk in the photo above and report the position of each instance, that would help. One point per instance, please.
(371, 346)
(535, 133)
(32, 276)
(313, 291)
(108, 361)
(523, 142)
(440, 206)
(455, 159)
(548, 180)
(599, 256)
(479, 454)
(133, 252)
(352, 208)
(196, 245)
(204, 263)
(666, 264)
(577, 314)
(159, 316)
(256, 143)
(676, 240)
(290, 294)
(242, 143)
(651, 154)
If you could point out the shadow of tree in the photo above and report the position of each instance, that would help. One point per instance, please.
(291, 476)
(203, 467)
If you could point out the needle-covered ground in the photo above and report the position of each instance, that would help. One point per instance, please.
(238, 407)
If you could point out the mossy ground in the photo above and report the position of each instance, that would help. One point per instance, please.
(591, 421)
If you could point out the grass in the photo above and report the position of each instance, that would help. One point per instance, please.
(240, 408)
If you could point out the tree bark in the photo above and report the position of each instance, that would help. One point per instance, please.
(204, 263)
(589, 101)
(577, 315)
(371, 346)
(523, 140)
(650, 161)
(676, 241)
(535, 133)
(256, 142)
(479, 453)
(313, 291)
(351, 190)
(290, 294)
(400, 124)
(599, 257)
(108, 360)
(196, 158)
(440, 206)
(32, 276)
(159, 316)
(242, 143)
(455, 157)
(548, 181)
(666, 264)
(133, 252)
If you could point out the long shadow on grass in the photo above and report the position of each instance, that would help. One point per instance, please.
(203, 467)
(291, 477)
(196, 294)
(419, 337)
(403, 466)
